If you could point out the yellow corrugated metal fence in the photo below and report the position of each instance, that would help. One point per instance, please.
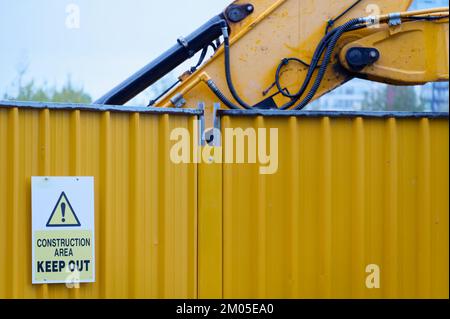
(145, 240)
(350, 191)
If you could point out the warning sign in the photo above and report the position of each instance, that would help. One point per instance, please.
(63, 241)
(63, 214)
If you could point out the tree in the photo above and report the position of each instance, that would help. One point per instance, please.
(32, 92)
(394, 98)
(68, 93)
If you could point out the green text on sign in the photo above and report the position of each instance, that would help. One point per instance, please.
(63, 255)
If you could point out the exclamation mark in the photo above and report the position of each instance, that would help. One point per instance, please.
(63, 211)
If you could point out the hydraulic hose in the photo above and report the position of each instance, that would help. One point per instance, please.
(326, 60)
(327, 43)
(312, 67)
(221, 96)
(228, 70)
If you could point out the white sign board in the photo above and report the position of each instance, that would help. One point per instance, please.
(63, 242)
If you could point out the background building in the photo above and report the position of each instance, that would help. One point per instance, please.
(420, 4)
(433, 95)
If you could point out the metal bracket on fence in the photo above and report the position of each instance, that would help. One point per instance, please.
(211, 135)
(201, 125)
(215, 135)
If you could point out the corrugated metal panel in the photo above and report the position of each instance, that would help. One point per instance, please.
(145, 240)
(349, 192)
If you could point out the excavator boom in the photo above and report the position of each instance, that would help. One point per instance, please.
(283, 54)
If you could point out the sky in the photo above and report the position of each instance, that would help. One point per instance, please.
(110, 41)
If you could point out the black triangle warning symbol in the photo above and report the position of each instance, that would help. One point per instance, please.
(63, 214)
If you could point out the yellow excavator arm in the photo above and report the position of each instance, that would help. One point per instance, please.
(283, 54)
(414, 52)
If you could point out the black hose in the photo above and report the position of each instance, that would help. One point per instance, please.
(331, 23)
(192, 70)
(312, 67)
(328, 41)
(314, 63)
(152, 102)
(294, 98)
(326, 60)
(228, 74)
(425, 18)
(221, 96)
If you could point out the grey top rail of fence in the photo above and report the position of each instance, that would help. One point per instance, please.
(276, 113)
(98, 108)
(198, 112)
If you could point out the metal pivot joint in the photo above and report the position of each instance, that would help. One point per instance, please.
(358, 58)
(185, 44)
(238, 12)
